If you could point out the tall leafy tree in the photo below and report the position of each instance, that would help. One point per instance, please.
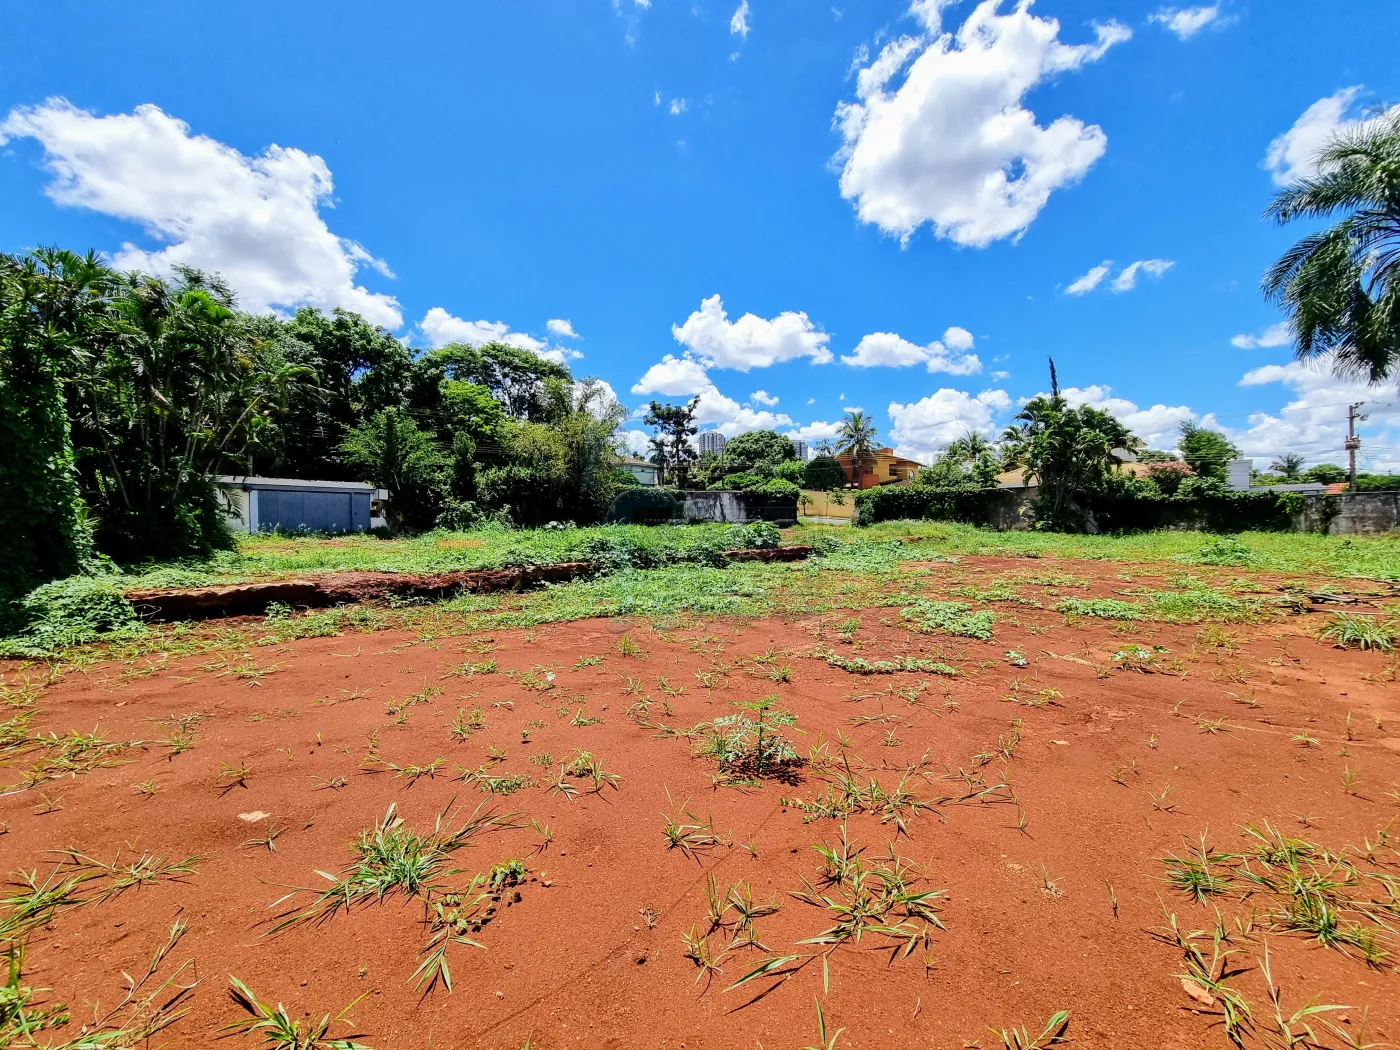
(1341, 285)
(390, 450)
(181, 389)
(758, 452)
(1207, 452)
(1290, 466)
(856, 437)
(355, 369)
(51, 304)
(1067, 451)
(672, 449)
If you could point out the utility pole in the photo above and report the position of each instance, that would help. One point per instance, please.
(1353, 442)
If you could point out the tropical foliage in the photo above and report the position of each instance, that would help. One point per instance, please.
(1341, 285)
(122, 395)
(1065, 451)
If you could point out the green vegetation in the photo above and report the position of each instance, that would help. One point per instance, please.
(1339, 285)
(949, 618)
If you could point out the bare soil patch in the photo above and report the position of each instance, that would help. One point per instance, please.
(1045, 799)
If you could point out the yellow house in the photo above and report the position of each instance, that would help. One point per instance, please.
(882, 468)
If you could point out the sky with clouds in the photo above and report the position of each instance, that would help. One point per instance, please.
(789, 208)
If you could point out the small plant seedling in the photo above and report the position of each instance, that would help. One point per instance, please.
(231, 777)
(1052, 1035)
(824, 1042)
(1347, 631)
(269, 840)
(587, 661)
(627, 646)
(146, 787)
(277, 1029)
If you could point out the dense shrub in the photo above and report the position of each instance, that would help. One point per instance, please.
(742, 480)
(778, 488)
(1214, 512)
(824, 473)
(645, 505)
(972, 505)
(69, 612)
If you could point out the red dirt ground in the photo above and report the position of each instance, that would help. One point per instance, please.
(575, 963)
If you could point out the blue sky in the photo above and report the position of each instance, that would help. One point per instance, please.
(790, 207)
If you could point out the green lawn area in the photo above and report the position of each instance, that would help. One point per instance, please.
(266, 557)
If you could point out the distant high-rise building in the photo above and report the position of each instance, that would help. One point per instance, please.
(801, 447)
(710, 441)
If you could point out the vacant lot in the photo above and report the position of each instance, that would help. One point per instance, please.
(940, 788)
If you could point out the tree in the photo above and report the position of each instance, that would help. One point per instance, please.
(672, 450)
(1207, 452)
(1290, 466)
(1157, 455)
(355, 369)
(759, 451)
(1341, 286)
(395, 454)
(1326, 473)
(824, 473)
(50, 303)
(1068, 451)
(176, 388)
(856, 437)
(516, 378)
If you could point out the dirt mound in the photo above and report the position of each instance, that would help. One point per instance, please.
(340, 588)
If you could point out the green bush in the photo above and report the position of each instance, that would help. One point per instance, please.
(969, 504)
(645, 505)
(755, 535)
(779, 488)
(743, 480)
(70, 612)
(824, 473)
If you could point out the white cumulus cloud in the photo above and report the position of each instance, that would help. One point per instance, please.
(255, 220)
(1280, 334)
(751, 341)
(763, 397)
(1157, 425)
(925, 427)
(678, 106)
(1186, 21)
(684, 377)
(894, 351)
(1293, 155)
(815, 431)
(440, 328)
(940, 133)
(561, 327)
(1314, 422)
(739, 23)
(634, 443)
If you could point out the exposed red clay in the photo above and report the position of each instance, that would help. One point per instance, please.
(591, 955)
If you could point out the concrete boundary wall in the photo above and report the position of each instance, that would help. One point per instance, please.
(1349, 513)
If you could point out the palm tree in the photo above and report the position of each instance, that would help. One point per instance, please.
(856, 436)
(1339, 285)
(1290, 466)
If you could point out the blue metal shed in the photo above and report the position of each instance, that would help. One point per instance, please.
(297, 505)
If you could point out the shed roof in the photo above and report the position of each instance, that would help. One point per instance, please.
(246, 481)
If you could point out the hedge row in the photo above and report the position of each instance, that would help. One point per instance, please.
(975, 506)
(1229, 512)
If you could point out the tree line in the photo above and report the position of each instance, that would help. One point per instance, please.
(122, 395)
